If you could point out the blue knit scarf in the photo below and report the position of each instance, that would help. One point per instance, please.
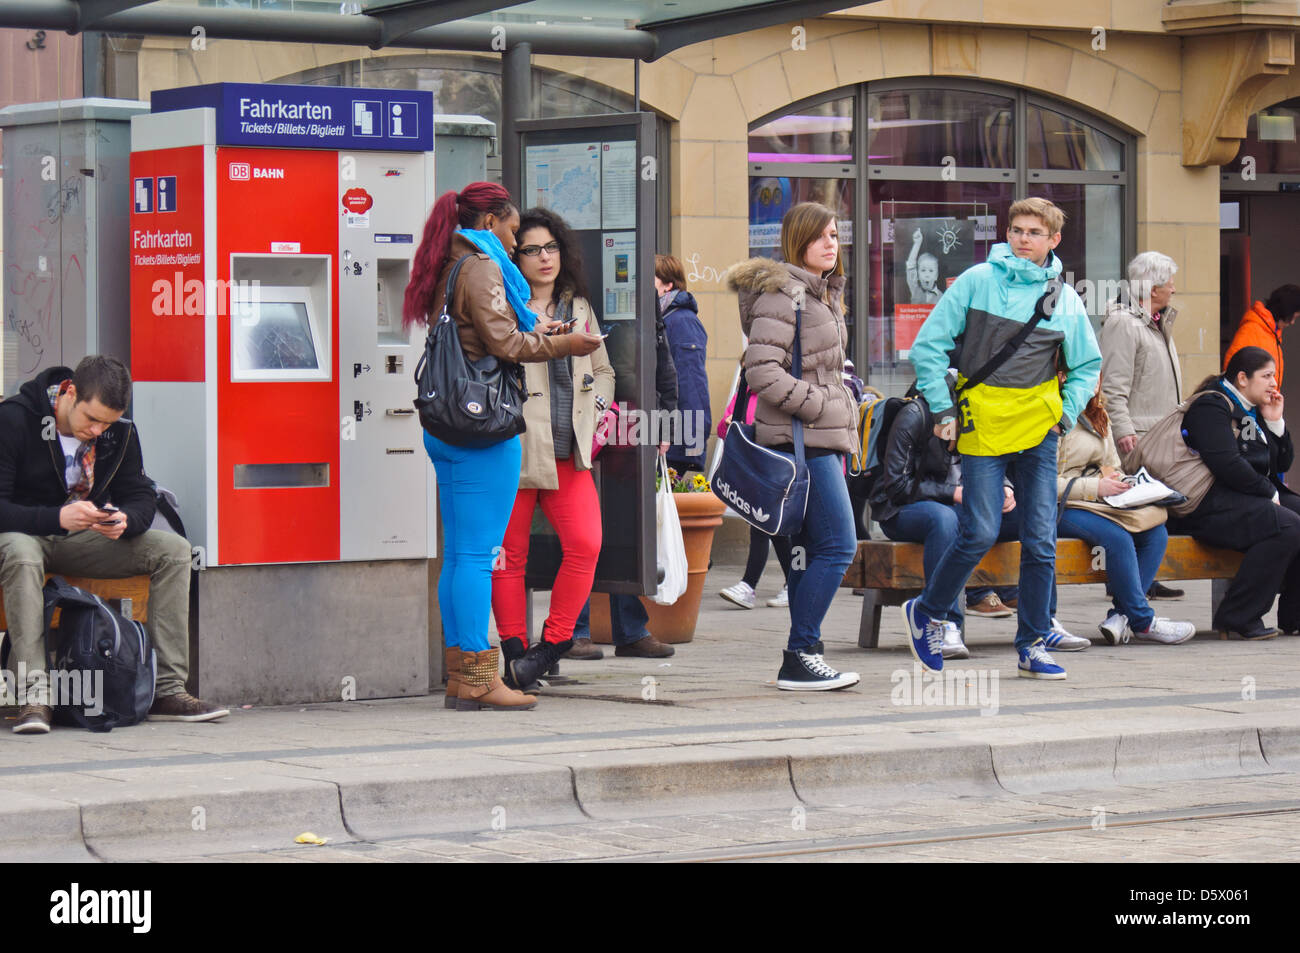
(517, 290)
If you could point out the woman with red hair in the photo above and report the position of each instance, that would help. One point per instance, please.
(477, 485)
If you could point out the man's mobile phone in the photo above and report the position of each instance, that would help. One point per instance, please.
(108, 508)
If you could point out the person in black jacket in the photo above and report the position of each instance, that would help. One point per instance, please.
(74, 498)
(689, 344)
(1236, 426)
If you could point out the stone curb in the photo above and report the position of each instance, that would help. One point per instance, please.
(266, 808)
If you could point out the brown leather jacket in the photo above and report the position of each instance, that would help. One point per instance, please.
(483, 316)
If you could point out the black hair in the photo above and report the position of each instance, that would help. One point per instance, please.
(105, 378)
(569, 280)
(1283, 303)
(1248, 360)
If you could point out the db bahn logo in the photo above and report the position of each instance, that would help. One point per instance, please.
(240, 171)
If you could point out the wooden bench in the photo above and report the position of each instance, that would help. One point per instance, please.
(892, 573)
(135, 588)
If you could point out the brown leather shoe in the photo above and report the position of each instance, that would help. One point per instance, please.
(451, 662)
(990, 607)
(584, 650)
(648, 647)
(481, 685)
(185, 707)
(33, 720)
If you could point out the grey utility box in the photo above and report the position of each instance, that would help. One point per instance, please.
(67, 194)
(462, 145)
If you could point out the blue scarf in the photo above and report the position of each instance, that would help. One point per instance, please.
(517, 290)
(1232, 395)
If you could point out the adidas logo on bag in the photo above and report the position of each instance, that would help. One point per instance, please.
(734, 498)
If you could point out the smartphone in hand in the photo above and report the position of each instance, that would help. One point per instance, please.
(110, 509)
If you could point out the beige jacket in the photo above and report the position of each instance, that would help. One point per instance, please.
(1140, 375)
(537, 471)
(1082, 449)
(768, 291)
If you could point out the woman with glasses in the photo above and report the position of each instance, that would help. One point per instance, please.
(566, 398)
(476, 485)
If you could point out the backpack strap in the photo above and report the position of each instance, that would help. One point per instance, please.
(1043, 309)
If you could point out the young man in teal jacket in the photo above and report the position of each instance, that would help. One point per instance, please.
(1008, 424)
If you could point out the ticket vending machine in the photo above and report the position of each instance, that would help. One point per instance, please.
(272, 231)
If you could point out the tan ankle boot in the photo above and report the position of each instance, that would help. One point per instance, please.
(451, 662)
(481, 685)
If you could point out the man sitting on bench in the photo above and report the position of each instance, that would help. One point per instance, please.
(74, 499)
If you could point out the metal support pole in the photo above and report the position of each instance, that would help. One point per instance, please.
(636, 86)
(92, 64)
(516, 104)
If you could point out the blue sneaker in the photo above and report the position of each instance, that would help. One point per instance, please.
(926, 636)
(1036, 663)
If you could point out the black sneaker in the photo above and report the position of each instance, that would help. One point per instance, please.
(808, 672)
(1161, 591)
(536, 661)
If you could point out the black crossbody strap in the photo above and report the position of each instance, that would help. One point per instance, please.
(1042, 310)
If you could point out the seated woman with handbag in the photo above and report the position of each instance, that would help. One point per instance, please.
(1134, 539)
(1235, 423)
(566, 397)
(471, 234)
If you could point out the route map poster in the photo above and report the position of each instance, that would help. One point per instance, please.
(566, 179)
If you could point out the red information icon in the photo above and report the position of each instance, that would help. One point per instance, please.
(357, 201)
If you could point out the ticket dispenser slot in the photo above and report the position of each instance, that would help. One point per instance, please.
(391, 278)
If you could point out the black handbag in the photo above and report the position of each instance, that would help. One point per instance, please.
(461, 402)
(766, 487)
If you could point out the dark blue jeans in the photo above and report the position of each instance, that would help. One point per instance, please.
(1132, 560)
(821, 551)
(627, 619)
(935, 525)
(1033, 471)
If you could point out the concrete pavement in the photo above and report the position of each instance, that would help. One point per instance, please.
(703, 733)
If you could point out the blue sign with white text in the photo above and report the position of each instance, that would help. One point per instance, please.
(310, 117)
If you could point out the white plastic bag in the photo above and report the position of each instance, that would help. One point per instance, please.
(668, 542)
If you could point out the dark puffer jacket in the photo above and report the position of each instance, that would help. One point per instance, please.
(689, 343)
(768, 291)
(917, 465)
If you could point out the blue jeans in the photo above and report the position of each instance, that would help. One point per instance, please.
(1132, 560)
(627, 620)
(826, 544)
(1033, 472)
(935, 525)
(476, 493)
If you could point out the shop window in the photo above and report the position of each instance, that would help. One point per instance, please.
(934, 127)
(932, 195)
(1056, 141)
(821, 133)
(1271, 143)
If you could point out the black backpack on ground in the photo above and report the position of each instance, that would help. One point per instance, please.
(104, 668)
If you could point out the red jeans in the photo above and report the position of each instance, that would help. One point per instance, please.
(574, 511)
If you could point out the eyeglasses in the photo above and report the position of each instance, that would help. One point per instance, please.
(1035, 233)
(532, 251)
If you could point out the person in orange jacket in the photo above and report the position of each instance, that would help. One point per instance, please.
(1262, 325)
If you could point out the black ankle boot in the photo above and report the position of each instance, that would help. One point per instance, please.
(536, 661)
(511, 650)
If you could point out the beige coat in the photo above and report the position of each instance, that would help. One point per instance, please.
(1082, 449)
(537, 472)
(1140, 375)
(768, 291)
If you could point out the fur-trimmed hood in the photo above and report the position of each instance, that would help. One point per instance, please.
(759, 276)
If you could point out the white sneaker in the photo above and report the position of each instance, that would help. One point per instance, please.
(742, 594)
(1115, 629)
(781, 600)
(1166, 631)
(1059, 640)
(953, 647)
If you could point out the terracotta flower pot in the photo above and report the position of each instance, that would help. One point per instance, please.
(700, 515)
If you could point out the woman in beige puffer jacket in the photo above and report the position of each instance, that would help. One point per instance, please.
(809, 283)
